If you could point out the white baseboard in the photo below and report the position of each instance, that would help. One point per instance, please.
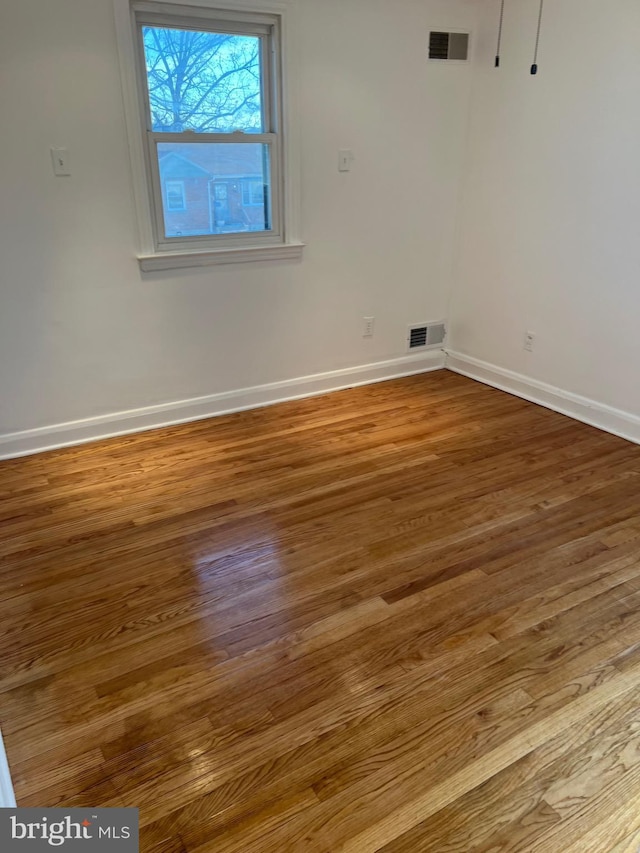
(616, 421)
(168, 414)
(7, 797)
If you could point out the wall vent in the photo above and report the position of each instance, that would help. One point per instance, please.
(425, 336)
(451, 47)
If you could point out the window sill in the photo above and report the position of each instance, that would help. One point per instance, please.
(181, 260)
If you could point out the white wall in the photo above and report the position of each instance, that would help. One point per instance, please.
(84, 334)
(549, 235)
(7, 795)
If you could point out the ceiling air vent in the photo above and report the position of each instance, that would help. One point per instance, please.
(449, 46)
(426, 335)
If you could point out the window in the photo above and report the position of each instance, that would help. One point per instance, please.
(210, 173)
(252, 193)
(175, 199)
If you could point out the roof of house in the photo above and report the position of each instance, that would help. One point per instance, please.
(173, 165)
(210, 160)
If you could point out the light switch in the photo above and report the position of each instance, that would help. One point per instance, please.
(60, 160)
(345, 159)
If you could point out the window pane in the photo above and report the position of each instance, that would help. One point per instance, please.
(175, 195)
(203, 81)
(226, 187)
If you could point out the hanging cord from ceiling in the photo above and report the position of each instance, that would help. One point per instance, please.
(500, 34)
(534, 67)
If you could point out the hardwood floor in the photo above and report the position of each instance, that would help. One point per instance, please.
(399, 618)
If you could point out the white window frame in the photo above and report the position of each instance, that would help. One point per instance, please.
(155, 251)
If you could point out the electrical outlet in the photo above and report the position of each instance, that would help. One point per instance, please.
(529, 340)
(369, 323)
(345, 159)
